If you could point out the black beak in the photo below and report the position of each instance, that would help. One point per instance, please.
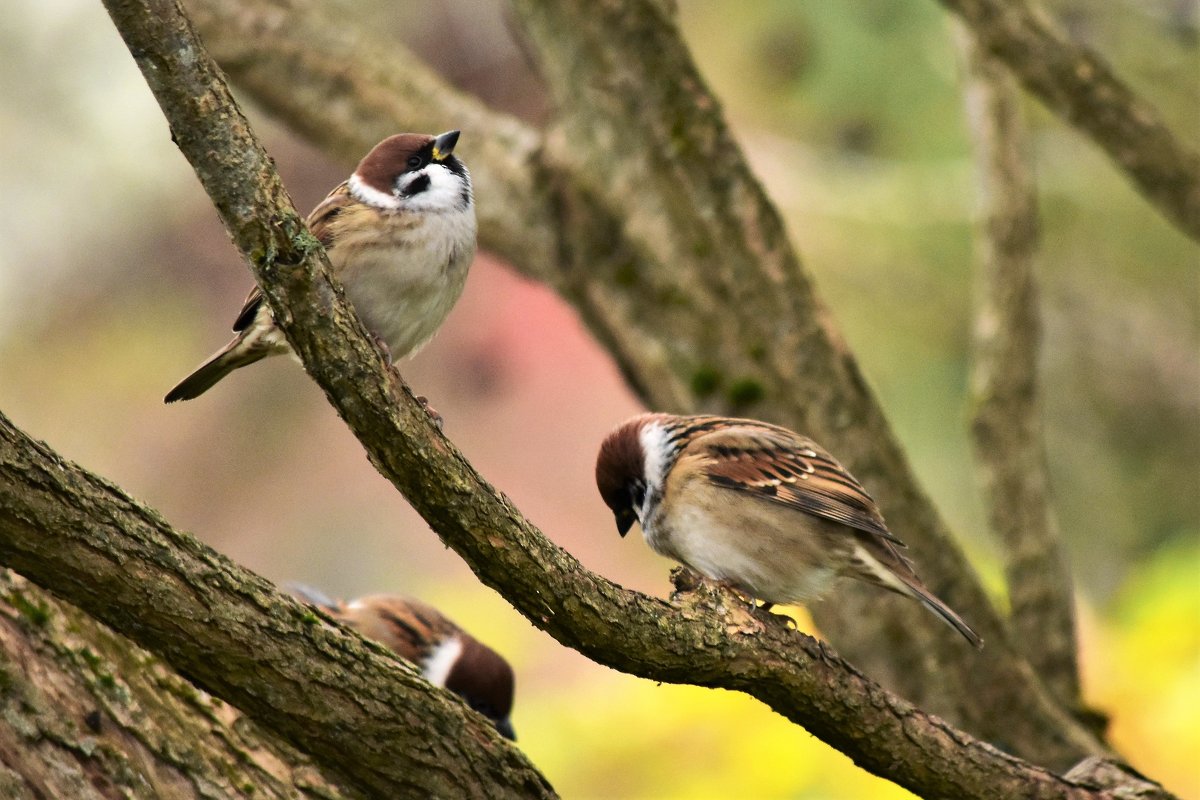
(443, 145)
(625, 520)
(505, 729)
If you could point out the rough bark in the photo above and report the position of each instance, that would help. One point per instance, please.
(88, 715)
(697, 321)
(1077, 85)
(359, 711)
(130, 579)
(1006, 425)
(120, 562)
(373, 723)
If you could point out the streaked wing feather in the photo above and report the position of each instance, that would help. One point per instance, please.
(319, 223)
(327, 210)
(249, 310)
(776, 465)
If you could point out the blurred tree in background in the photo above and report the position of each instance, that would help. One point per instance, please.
(852, 116)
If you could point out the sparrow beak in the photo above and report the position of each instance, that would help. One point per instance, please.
(625, 520)
(504, 728)
(443, 145)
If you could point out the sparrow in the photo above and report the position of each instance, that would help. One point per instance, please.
(447, 656)
(754, 506)
(400, 236)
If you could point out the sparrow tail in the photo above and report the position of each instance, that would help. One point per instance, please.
(946, 614)
(237, 353)
(897, 575)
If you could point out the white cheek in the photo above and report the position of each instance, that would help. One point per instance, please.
(444, 193)
(437, 666)
(654, 445)
(371, 196)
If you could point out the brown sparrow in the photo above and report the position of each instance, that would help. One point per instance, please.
(754, 506)
(448, 656)
(400, 235)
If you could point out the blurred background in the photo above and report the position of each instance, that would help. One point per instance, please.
(116, 279)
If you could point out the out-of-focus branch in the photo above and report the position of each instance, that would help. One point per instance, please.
(1007, 420)
(1079, 86)
(682, 269)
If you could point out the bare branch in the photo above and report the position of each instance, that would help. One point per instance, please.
(1007, 423)
(696, 320)
(377, 725)
(363, 714)
(316, 688)
(1079, 86)
(120, 561)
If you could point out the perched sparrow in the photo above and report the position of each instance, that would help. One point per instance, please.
(755, 506)
(447, 656)
(400, 235)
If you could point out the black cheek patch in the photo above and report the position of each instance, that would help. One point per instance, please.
(418, 185)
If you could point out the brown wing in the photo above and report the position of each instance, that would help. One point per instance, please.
(408, 627)
(327, 210)
(780, 466)
(319, 223)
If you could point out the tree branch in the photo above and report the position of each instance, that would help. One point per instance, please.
(1079, 87)
(725, 323)
(377, 725)
(84, 707)
(1007, 422)
(789, 671)
(363, 714)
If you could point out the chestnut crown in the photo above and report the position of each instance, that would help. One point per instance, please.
(621, 473)
(382, 168)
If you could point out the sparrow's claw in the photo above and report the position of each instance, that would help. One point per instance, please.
(433, 414)
(382, 345)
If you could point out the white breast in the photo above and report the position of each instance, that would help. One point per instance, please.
(404, 286)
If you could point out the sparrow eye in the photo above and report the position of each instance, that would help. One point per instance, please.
(637, 494)
(414, 162)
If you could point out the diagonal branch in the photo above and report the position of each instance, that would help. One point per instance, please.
(129, 580)
(1007, 423)
(695, 321)
(377, 725)
(362, 714)
(373, 725)
(1078, 86)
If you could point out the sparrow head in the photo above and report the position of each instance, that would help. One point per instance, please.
(628, 466)
(481, 677)
(414, 172)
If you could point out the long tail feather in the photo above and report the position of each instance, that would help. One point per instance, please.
(946, 614)
(237, 353)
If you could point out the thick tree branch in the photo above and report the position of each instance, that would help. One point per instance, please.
(696, 320)
(377, 727)
(363, 714)
(374, 723)
(1079, 86)
(120, 578)
(88, 715)
(1007, 422)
